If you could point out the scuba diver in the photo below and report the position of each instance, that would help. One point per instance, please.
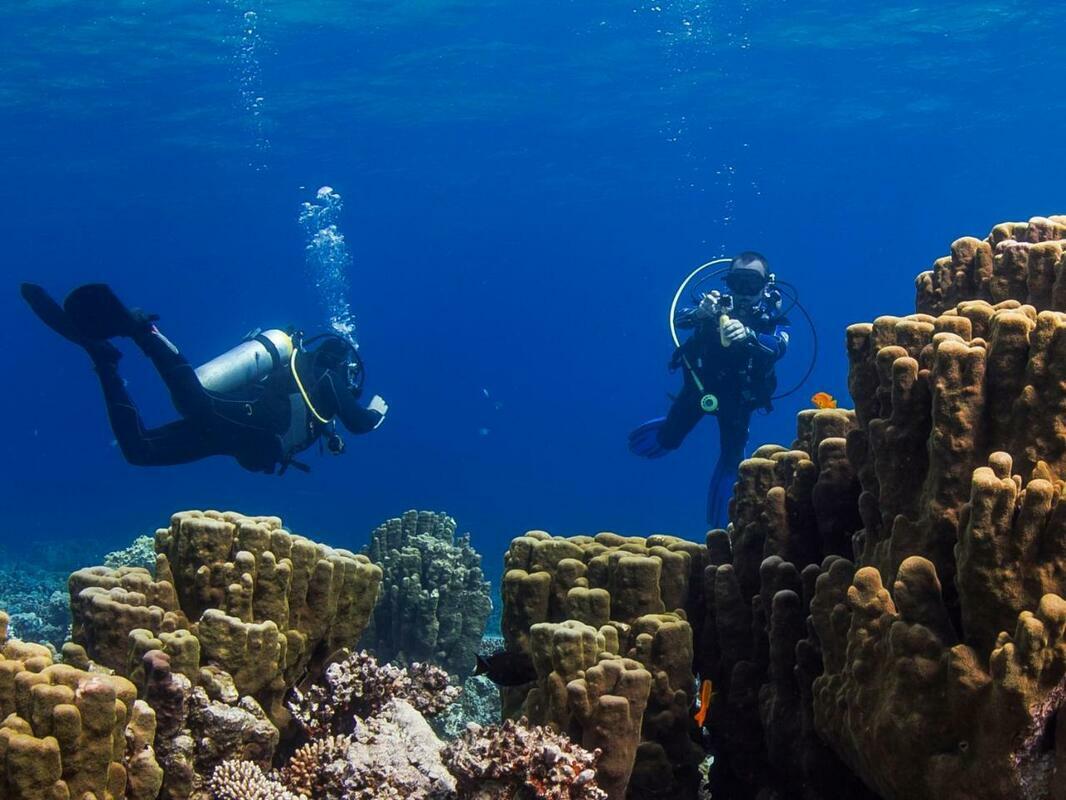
(728, 362)
(263, 402)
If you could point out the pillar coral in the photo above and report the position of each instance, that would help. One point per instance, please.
(946, 485)
(586, 601)
(68, 733)
(587, 690)
(901, 689)
(435, 601)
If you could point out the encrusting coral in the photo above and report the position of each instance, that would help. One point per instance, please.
(434, 601)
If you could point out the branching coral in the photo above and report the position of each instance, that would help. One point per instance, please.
(312, 772)
(243, 780)
(514, 760)
(359, 686)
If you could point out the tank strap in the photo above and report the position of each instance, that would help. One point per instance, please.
(275, 354)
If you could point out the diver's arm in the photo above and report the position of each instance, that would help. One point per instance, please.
(773, 344)
(352, 415)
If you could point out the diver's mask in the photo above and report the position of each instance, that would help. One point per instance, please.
(747, 283)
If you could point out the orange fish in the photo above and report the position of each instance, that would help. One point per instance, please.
(706, 694)
(823, 400)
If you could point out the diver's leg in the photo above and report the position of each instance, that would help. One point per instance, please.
(177, 443)
(187, 393)
(732, 437)
(684, 415)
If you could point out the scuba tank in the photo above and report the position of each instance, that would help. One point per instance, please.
(248, 363)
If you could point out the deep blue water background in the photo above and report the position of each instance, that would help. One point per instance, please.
(525, 184)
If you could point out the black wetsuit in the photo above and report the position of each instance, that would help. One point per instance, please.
(262, 428)
(741, 376)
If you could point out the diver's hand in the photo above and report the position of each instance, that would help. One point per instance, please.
(735, 331)
(378, 404)
(708, 306)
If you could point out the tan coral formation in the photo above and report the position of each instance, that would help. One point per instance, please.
(67, 733)
(236, 593)
(604, 619)
(931, 663)
(239, 610)
(968, 728)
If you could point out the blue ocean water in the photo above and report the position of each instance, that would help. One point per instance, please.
(524, 185)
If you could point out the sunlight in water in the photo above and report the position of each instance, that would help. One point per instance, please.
(328, 259)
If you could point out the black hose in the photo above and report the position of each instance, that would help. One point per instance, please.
(814, 337)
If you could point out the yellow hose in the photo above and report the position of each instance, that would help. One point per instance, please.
(300, 386)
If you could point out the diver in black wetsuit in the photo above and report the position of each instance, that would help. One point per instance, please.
(289, 403)
(738, 336)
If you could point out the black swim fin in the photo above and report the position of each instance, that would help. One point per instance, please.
(53, 315)
(50, 312)
(98, 314)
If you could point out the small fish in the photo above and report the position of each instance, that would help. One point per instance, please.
(483, 431)
(823, 400)
(706, 695)
(507, 669)
(485, 392)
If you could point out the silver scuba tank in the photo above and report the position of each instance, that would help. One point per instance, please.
(249, 362)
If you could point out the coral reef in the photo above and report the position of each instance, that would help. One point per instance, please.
(71, 733)
(388, 750)
(888, 596)
(517, 762)
(140, 553)
(231, 593)
(359, 686)
(238, 611)
(435, 601)
(35, 600)
(479, 703)
(604, 619)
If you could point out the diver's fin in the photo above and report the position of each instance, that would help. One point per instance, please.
(98, 314)
(53, 315)
(644, 440)
(50, 312)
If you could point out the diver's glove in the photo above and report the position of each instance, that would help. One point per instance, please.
(736, 331)
(378, 404)
(710, 305)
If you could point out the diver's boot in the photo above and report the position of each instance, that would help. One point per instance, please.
(97, 313)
